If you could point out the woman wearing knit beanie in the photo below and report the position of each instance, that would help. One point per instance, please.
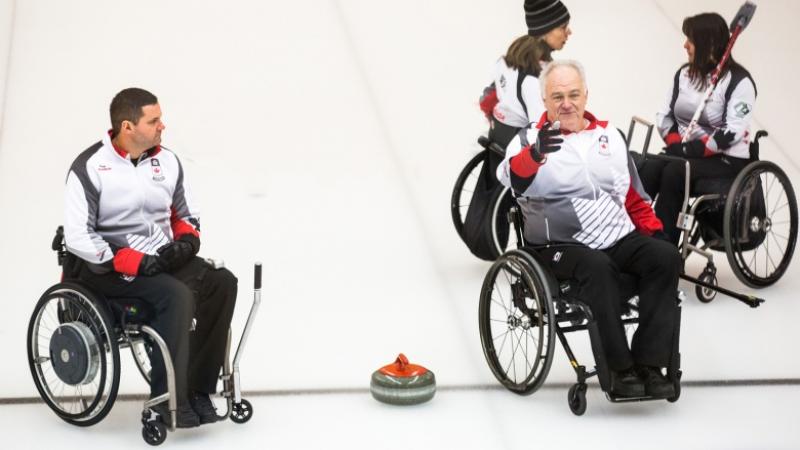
(513, 100)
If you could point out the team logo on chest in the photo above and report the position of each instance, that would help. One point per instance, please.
(604, 150)
(158, 174)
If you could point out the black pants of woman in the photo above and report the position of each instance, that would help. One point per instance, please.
(666, 179)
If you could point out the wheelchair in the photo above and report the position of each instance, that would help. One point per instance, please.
(523, 309)
(74, 341)
(499, 201)
(752, 219)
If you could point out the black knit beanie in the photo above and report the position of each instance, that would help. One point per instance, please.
(544, 15)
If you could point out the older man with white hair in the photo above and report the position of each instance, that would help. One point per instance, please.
(586, 213)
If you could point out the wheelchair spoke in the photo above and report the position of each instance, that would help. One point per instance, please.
(502, 305)
(511, 360)
(502, 344)
(514, 354)
(785, 205)
(528, 364)
(785, 238)
(782, 249)
(535, 344)
(500, 293)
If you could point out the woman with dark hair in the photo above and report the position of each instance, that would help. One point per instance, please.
(510, 103)
(513, 100)
(719, 146)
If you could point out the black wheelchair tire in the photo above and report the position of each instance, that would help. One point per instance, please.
(731, 226)
(154, 433)
(241, 412)
(456, 202)
(576, 398)
(528, 271)
(98, 316)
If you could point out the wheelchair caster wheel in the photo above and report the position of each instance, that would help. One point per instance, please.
(241, 412)
(706, 295)
(154, 432)
(576, 397)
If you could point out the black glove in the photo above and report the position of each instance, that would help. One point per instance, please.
(690, 149)
(547, 141)
(694, 149)
(177, 253)
(723, 139)
(675, 150)
(151, 265)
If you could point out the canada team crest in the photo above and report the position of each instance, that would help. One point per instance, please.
(158, 174)
(604, 145)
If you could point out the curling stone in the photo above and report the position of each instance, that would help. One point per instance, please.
(401, 383)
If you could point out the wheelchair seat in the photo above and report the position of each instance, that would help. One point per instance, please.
(627, 287)
(711, 186)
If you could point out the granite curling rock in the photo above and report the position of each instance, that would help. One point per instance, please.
(402, 383)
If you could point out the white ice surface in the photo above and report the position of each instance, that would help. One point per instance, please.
(323, 139)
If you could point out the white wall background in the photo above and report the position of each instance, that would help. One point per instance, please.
(6, 33)
(323, 138)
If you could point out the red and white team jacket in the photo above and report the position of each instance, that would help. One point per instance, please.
(519, 98)
(729, 111)
(587, 193)
(116, 212)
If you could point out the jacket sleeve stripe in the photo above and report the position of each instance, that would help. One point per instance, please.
(80, 214)
(184, 218)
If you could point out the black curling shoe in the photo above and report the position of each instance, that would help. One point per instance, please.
(655, 383)
(204, 407)
(626, 383)
(185, 417)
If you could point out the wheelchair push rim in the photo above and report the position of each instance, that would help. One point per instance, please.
(89, 400)
(516, 322)
(760, 264)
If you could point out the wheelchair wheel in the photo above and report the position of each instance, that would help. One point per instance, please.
(241, 412)
(463, 189)
(73, 354)
(706, 295)
(154, 433)
(516, 322)
(760, 224)
(576, 398)
(503, 233)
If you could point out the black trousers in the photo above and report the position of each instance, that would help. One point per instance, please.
(195, 290)
(656, 264)
(667, 179)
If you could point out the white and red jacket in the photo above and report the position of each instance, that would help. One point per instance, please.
(728, 111)
(588, 192)
(514, 98)
(116, 212)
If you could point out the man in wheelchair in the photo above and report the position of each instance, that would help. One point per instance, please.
(132, 230)
(586, 214)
